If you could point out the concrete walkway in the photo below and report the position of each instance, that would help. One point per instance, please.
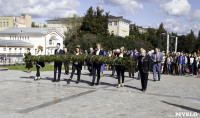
(22, 97)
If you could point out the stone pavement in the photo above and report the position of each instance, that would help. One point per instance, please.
(22, 97)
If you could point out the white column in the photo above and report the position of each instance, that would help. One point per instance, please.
(176, 43)
(167, 43)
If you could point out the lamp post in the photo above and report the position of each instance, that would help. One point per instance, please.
(167, 41)
(176, 42)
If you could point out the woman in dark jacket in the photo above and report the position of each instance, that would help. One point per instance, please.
(76, 66)
(144, 65)
(120, 69)
(39, 64)
(29, 64)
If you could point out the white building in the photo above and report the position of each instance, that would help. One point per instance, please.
(34, 37)
(14, 49)
(118, 26)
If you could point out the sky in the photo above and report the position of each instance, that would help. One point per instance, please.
(179, 16)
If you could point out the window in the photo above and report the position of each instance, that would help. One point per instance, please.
(10, 50)
(4, 49)
(110, 23)
(0, 24)
(10, 37)
(115, 23)
(20, 50)
(15, 50)
(50, 42)
(4, 24)
(7, 24)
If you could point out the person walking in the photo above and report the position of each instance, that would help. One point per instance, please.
(144, 65)
(39, 64)
(57, 65)
(156, 59)
(76, 66)
(96, 66)
(29, 64)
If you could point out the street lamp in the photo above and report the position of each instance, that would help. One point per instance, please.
(176, 42)
(167, 40)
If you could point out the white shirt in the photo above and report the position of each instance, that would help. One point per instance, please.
(97, 53)
(121, 55)
(77, 53)
(191, 60)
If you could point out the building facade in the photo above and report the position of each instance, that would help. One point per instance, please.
(45, 37)
(11, 21)
(59, 24)
(118, 26)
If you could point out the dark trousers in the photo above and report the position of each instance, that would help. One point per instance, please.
(75, 67)
(66, 68)
(131, 71)
(58, 67)
(38, 71)
(96, 69)
(120, 72)
(90, 68)
(113, 70)
(144, 80)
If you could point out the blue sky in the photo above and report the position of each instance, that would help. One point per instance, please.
(178, 16)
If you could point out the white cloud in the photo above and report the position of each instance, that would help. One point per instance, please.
(194, 16)
(151, 0)
(39, 8)
(172, 25)
(127, 7)
(176, 7)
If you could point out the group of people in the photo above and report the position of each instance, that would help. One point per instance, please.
(181, 64)
(145, 62)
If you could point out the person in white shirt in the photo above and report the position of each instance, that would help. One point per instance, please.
(192, 64)
(96, 66)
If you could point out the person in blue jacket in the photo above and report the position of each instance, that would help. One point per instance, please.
(181, 63)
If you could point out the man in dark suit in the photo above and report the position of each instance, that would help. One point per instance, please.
(97, 67)
(144, 65)
(90, 64)
(57, 65)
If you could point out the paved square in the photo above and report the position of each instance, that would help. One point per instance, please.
(22, 97)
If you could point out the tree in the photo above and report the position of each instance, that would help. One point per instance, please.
(95, 22)
(190, 42)
(197, 47)
(182, 44)
(151, 37)
(44, 25)
(33, 24)
(73, 25)
(134, 30)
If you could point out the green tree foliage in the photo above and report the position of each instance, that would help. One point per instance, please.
(95, 22)
(45, 25)
(152, 37)
(190, 42)
(197, 47)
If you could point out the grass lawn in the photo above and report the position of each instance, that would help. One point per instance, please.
(48, 67)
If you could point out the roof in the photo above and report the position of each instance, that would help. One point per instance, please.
(117, 18)
(30, 31)
(15, 43)
(58, 19)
